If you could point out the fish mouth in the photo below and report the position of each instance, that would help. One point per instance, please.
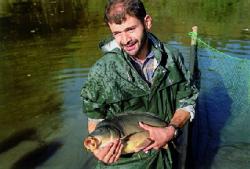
(91, 143)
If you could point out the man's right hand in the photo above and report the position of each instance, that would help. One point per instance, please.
(110, 153)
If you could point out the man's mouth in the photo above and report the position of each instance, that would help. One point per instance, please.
(130, 46)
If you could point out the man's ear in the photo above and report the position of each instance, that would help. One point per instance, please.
(148, 22)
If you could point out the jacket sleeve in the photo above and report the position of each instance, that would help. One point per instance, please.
(186, 93)
(92, 93)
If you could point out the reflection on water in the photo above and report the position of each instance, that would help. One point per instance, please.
(47, 48)
(39, 16)
(15, 138)
(37, 157)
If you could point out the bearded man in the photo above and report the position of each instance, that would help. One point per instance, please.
(140, 73)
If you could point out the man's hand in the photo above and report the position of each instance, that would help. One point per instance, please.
(110, 153)
(159, 135)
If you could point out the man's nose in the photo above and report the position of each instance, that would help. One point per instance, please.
(125, 38)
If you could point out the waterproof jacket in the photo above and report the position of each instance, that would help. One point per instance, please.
(114, 86)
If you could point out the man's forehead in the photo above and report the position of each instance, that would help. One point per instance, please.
(128, 21)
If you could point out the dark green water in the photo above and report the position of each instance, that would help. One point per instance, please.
(47, 48)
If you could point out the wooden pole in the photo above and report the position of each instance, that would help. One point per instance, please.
(193, 52)
(184, 139)
(194, 38)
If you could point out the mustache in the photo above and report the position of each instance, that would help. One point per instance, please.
(129, 43)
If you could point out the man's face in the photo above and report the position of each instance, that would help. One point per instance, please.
(130, 35)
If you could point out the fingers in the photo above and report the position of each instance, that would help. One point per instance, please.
(144, 126)
(113, 152)
(110, 153)
(101, 153)
(154, 146)
(117, 153)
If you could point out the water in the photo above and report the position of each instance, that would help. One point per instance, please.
(44, 65)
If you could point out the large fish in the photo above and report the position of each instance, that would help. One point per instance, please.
(126, 127)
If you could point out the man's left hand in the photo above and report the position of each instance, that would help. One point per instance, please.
(160, 136)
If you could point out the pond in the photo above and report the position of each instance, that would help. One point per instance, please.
(47, 48)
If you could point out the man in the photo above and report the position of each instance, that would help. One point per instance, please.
(137, 73)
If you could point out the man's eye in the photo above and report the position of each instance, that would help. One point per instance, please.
(131, 30)
(116, 34)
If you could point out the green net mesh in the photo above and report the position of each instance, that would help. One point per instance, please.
(221, 130)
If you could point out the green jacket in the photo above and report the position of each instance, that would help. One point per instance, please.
(114, 86)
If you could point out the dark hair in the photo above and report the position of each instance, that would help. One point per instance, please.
(116, 10)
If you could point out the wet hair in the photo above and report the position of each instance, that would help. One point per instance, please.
(116, 10)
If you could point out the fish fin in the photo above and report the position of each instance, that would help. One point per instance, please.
(143, 144)
(135, 142)
(126, 138)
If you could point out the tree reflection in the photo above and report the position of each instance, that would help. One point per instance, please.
(40, 16)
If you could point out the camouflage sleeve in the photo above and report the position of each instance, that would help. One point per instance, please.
(187, 93)
(92, 93)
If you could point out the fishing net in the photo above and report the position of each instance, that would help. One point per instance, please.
(221, 130)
